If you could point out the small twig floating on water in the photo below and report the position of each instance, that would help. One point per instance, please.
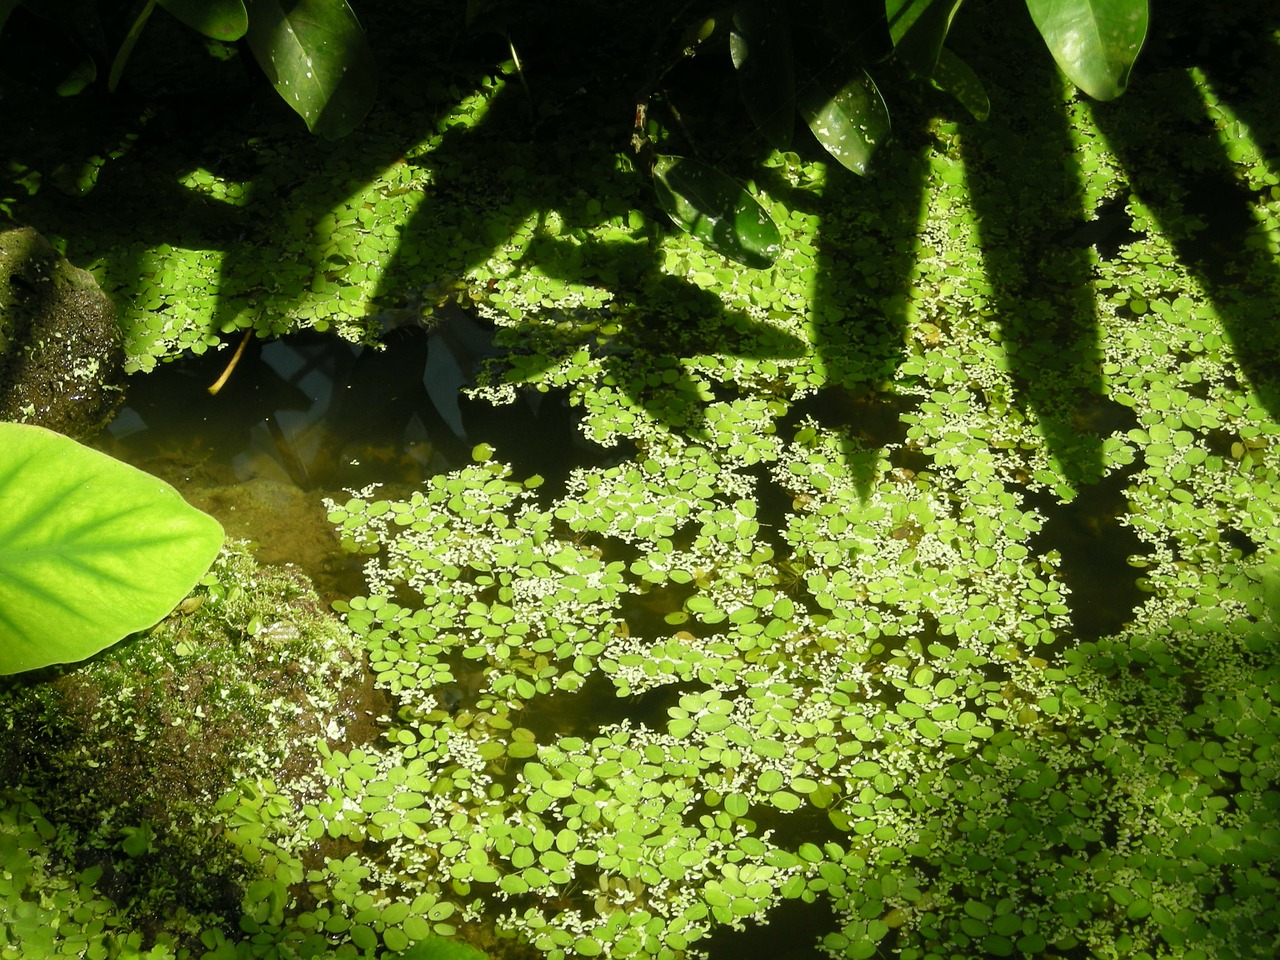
(235, 358)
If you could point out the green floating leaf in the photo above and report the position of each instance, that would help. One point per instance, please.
(225, 20)
(918, 29)
(717, 210)
(849, 123)
(91, 549)
(952, 75)
(1095, 42)
(317, 57)
(760, 45)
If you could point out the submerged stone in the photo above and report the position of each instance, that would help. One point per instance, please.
(61, 359)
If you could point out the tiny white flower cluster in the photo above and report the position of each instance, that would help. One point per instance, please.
(465, 752)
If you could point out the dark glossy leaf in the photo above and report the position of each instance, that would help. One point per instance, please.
(918, 29)
(850, 122)
(317, 57)
(760, 45)
(1095, 42)
(225, 20)
(717, 210)
(91, 549)
(952, 75)
(6, 7)
(80, 77)
(127, 44)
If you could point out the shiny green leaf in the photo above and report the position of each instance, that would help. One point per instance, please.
(317, 57)
(717, 210)
(850, 122)
(1095, 42)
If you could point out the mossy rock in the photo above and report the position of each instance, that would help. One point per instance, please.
(129, 750)
(61, 359)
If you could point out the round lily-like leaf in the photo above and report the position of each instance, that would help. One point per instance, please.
(317, 57)
(717, 210)
(91, 549)
(1095, 42)
(849, 122)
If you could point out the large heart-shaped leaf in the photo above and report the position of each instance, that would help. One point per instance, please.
(226, 20)
(717, 210)
(850, 122)
(317, 57)
(918, 28)
(760, 45)
(91, 549)
(1094, 41)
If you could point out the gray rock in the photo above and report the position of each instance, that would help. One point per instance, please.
(61, 360)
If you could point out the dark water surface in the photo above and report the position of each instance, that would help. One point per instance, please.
(310, 416)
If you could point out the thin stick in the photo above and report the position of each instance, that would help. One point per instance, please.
(213, 390)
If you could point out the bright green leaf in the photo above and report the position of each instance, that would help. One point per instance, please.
(91, 549)
(1095, 42)
(317, 57)
(850, 122)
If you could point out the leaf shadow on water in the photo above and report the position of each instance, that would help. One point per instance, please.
(1026, 182)
(1188, 685)
(1196, 195)
(642, 348)
(859, 316)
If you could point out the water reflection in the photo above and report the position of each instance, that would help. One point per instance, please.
(302, 417)
(311, 415)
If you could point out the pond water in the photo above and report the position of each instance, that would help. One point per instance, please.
(311, 415)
